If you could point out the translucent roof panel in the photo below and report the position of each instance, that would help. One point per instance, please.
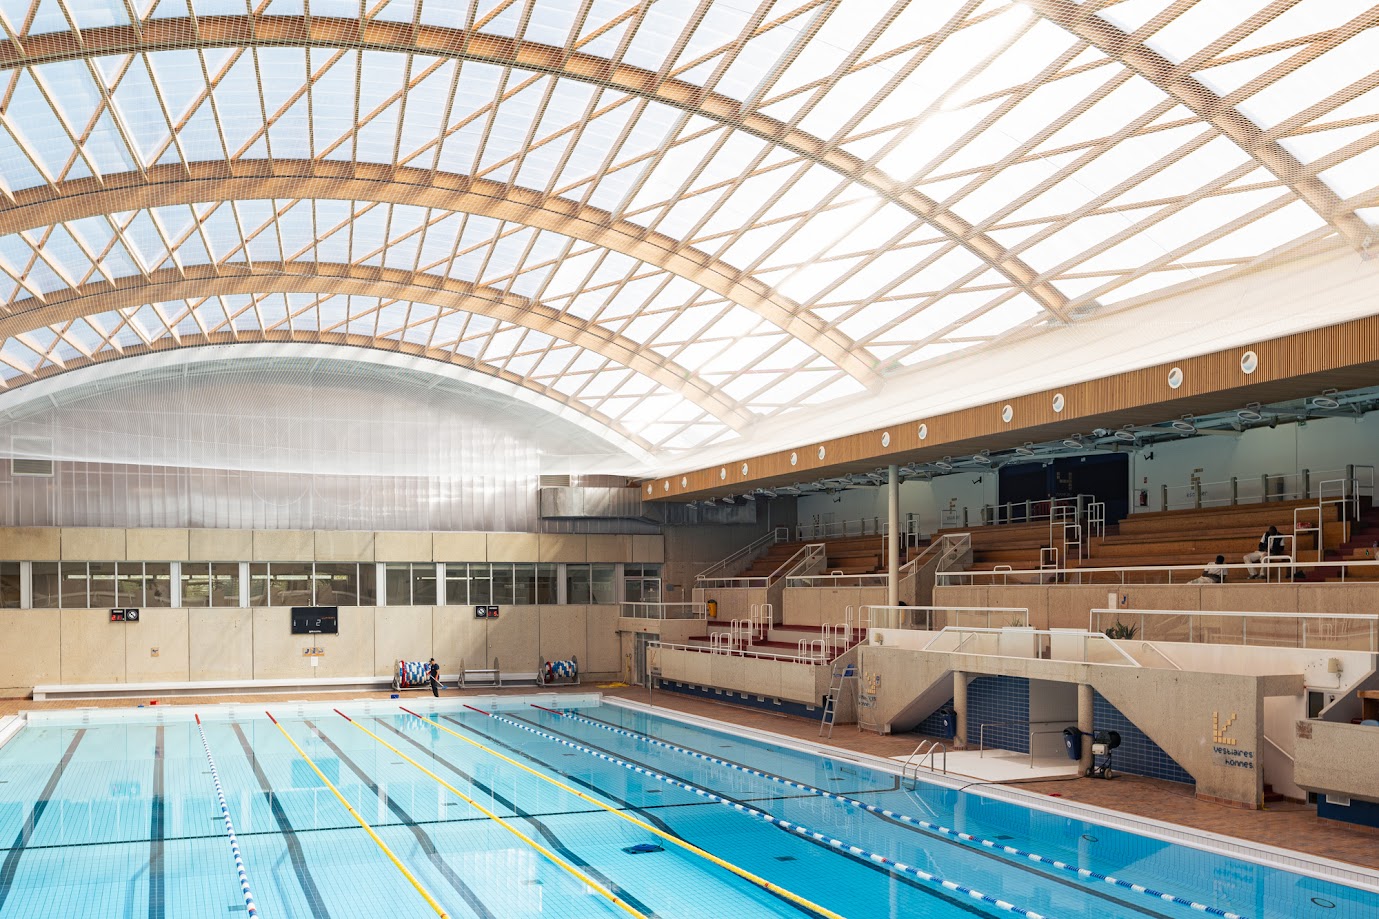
(681, 218)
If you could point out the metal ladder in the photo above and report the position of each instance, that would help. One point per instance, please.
(837, 680)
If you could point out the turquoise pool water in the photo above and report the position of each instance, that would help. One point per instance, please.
(115, 814)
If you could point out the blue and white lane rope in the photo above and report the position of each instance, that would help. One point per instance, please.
(796, 828)
(229, 827)
(913, 821)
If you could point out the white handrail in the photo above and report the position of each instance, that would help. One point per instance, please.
(903, 612)
(956, 578)
(969, 632)
(1244, 615)
(761, 655)
(778, 534)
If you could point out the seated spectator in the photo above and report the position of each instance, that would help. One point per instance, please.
(1214, 573)
(1271, 543)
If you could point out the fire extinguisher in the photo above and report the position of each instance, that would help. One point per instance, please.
(1144, 497)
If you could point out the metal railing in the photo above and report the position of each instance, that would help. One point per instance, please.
(860, 526)
(921, 618)
(1334, 631)
(1032, 511)
(813, 555)
(1071, 645)
(1030, 727)
(759, 655)
(744, 557)
(1276, 568)
(927, 749)
(1282, 486)
(638, 610)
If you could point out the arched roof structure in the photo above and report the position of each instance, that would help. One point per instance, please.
(680, 218)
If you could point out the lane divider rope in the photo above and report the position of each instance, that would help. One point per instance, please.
(674, 840)
(249, 905)
(397, 863)
(915, 821)
(556, 859)
(798, 829)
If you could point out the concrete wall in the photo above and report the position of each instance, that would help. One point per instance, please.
(771, 679)
(818, 605)
(1066, 606)
(98, 544)
(1337, 759)
(84, 646)
(1209, 723)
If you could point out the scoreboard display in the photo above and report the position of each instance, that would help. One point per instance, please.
(307, 620)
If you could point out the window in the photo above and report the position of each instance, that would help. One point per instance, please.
(157, 579)
(457, 583)
(502, 585)
(641, 583)
(547, 584)
(410, 584)
(590, 584)
(258, 584)
(337, 584)
(480, 583)
(9, 585)
(100, 579)
(289, 584)
(196, 584)
(45, 580)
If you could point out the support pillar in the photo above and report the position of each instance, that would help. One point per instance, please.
(893, 545)
(960, 710)
(1084, 723)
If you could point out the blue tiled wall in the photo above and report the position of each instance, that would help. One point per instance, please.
(1137, 754)
(992, 699)
(933, 725)
(1360, 812)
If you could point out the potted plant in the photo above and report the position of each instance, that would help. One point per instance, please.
(1121, 631)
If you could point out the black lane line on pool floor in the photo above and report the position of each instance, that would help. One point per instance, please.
(546, 832)
(156, 906)
(899, 878)
(294, 846)
(641, 811)
(26, 832)
(1028, 869)
(423, 838)
(919, 831)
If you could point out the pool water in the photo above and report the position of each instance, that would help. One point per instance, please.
(108, 814)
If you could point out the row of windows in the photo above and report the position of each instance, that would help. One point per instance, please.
(97, 585)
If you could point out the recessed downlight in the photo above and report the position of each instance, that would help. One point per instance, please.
(1175, 378)
(1059, 402)
(822, 452)
(722, 473)
(666, 485)
(1007, 413)
(684, 481)
(1249, 362)
(794, 458)
(923, 431)
(886, 439)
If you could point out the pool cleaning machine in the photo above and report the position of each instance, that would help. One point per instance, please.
(1103, 743)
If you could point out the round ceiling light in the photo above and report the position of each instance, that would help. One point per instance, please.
(923, 431)
(886, 439)
(1007, 413)
(822, 452)
(1175, 378)
(722, 473)
(1059, 402)
(744, 468)
(648, 489)
(684, 481)
(1249, 362)
(794, 458)
(666, 485)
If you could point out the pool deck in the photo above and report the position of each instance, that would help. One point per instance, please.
(1282, 825)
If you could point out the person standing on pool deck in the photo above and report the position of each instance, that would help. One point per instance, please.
(433, 672)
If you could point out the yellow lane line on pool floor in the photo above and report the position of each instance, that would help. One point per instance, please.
(440, 911)
(674, 840)
(579, 875)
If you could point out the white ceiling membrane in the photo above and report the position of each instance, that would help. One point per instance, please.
(680, 219)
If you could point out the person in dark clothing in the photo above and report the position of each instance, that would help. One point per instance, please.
(434, 673)
(1271, 543)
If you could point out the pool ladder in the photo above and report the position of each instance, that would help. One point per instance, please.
(927, 750)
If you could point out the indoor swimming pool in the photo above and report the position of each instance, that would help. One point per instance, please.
(565, 806)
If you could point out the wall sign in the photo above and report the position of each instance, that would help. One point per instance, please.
(485, 612)
(124, 615)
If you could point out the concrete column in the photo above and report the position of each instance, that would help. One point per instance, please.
(960, 709)
(893, 546)
(1084, 722)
